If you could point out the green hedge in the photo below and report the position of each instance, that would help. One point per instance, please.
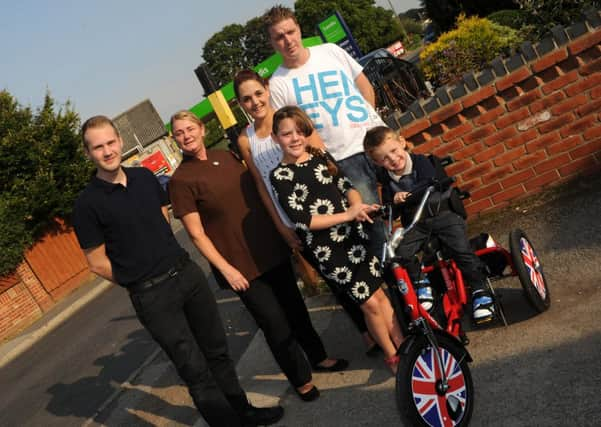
(42, 170)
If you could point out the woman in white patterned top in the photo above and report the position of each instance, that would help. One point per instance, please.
(262, 155)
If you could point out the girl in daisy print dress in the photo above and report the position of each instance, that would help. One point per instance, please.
(327, 214)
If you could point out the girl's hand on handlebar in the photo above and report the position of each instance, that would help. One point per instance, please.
(400, 197)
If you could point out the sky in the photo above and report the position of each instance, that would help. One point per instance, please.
(106, 56)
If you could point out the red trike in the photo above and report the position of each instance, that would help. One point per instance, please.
(433, 383)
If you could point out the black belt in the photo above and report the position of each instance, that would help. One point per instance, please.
(153, 281)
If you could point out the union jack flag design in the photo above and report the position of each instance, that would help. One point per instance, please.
(533, 266)
(426, 371)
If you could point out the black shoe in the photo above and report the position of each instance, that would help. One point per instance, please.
(309, 395)
(253, 416)
(374, 350)
(340, 365)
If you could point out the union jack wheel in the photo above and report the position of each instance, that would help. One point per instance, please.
(421, 397)
(529, 270)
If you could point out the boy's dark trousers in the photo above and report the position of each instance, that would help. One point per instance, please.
(451, 231)
(181, 315)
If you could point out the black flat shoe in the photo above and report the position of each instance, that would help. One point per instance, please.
(254, 416)
(340, 365)
(309, 395)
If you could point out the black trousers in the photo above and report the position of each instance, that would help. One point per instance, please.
(181, 315)
(450, 229)
(277, 306)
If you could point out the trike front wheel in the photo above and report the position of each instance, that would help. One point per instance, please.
(529, 270)
(421, 398)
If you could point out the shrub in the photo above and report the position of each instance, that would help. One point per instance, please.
(515, 19)
(474, 43)
(42, 170)
(545, 14)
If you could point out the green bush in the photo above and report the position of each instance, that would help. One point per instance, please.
(545, 14)
(42, 170)
(474, 43)
(515, 19)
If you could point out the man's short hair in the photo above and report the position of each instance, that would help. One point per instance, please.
(277, 14)
(375, 137)
(96, 122)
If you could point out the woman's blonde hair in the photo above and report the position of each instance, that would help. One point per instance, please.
(185, 115)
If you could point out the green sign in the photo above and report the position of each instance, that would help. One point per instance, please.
(264, 69)
(332, 29)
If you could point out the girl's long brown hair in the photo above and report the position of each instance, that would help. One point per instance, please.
(305, 126)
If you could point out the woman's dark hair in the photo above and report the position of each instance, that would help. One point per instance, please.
(305, 126)
(245, 75)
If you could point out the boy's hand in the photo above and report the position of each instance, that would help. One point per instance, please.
(400, 197)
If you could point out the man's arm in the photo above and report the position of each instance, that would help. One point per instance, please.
(366, 89)
(99, 263)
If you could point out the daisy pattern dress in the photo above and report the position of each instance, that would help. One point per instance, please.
(341, 253)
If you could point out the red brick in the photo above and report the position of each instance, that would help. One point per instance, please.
(457, 131)
(509, 156)
(591, 68)
(459, 167)
(522, 138)
(552, 163)
(560, 82)
(524, 100)
(486, 191)
(596, 92)
(530, 160)
(556, 123)
(489, 116)
(592, 147)
(469, 186)
(543, 142)
(482, 94)
(515, 77)
(489, 153)
(564, 145)
(479, 206)
(569, 104)
(593, 132)
(427, 147)
(500, 136)
(584, 42)
(546, 102)
(549, 60)
(579, 166)
(542, 180)
(446, 112)
(590, 107)
(415, 127)
(579, 126)
(509, 194)
(448, 148)
(477, 171)
(497, 174)
(479, 134)
(511, 118)
(469, 151)
(583, 84)
(517, 178)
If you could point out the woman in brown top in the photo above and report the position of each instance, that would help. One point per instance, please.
(216, 199)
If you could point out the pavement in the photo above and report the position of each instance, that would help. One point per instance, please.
(537, 371)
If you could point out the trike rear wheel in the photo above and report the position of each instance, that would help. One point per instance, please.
(529, 270)
(420, 398)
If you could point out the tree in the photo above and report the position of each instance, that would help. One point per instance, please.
(545, 14)
(444, 13)
(42, 169)
(372, 26)
(236, 47)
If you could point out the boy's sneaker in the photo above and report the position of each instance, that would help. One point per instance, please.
(483, 306)
(425, 298)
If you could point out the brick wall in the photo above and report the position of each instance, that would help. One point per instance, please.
(522, 124)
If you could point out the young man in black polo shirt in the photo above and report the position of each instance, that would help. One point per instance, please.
(121, 222)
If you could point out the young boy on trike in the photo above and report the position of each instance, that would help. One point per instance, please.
(401, 174)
